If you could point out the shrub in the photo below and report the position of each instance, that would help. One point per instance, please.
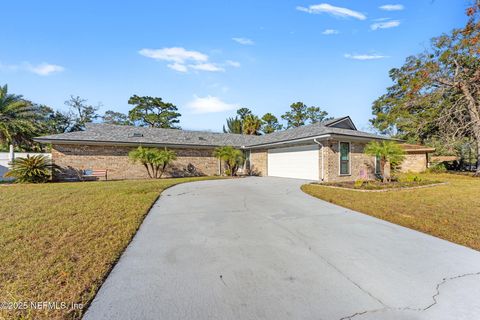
(32, 169)
(410, 177)
(437, 168)
(359, 183)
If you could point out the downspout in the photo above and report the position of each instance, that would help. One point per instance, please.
(321, 145)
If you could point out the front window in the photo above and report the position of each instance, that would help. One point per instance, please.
(344, 158)
(378, 163)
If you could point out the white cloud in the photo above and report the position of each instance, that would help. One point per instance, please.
(209, 104)
(232, 63)
(392, 7)
(364, 56)
(42, 69)
(244, 41)
(335, 11)
(385, 25)
(174, 54)
(182, 60)
(45, 69)
(330, 32)
(206, 67)
(178, 67)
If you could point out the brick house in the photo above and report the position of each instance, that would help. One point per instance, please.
(326, 151)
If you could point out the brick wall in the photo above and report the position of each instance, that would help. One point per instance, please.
(414, 162)
(258, 162)
(74, 158)
(361, 165)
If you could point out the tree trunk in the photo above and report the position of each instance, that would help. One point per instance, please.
(474, 112)
(148, 170)
(163, 170)
(383, 169)
(477, 137)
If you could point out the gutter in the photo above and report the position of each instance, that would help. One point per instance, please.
(322, 146)
(124, 143)
(328, 136)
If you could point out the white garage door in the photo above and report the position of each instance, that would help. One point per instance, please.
(294, 162)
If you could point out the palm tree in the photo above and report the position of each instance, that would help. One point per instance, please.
(154, 160)
(165, 157)
(252, 125)
(234, 125)
(17, 118)
(390, 154)
(233, 158)
(141, 155)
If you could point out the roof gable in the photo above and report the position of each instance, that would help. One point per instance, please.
(342, 123)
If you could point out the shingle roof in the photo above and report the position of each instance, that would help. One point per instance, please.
(107, 133)
(312, 130)
(416, 147)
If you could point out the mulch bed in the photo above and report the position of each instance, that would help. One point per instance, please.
(379, 186)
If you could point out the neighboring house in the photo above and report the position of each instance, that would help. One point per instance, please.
(327, 151)
(416, 157)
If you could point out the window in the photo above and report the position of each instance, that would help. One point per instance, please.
(378, 164)
(344, 158)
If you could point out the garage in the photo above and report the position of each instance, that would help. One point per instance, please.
(301, 162)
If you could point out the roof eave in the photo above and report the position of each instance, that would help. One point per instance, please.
(125, 143)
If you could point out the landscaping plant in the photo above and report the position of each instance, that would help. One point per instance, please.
(32, 169)
(232, 157)
(390, 154)
(154, 160)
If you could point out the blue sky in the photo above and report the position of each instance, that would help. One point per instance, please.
(210, 57)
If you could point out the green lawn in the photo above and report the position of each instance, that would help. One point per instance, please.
(450, 211)
(60, 240)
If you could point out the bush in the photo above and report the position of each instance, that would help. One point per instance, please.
(437, 168)
(32, 169)
(359, 183)
(410, 177)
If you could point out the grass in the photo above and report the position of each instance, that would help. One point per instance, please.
(378, 185)
(450, 211)
(60, 240)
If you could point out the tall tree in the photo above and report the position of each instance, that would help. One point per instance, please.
(234, 125)
(114, 117)
(251, 125)
(243, 113)
(300, 115)
(315, 114)
(54, 121)
(437, 93)
(153, 112)
(80, 112)
(270, 123)
(17, 118)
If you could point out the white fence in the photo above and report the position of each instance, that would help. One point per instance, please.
(5, 158)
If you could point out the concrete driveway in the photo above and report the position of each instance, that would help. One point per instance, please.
(259, 248)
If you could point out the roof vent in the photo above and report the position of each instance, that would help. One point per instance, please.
(137, 135)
